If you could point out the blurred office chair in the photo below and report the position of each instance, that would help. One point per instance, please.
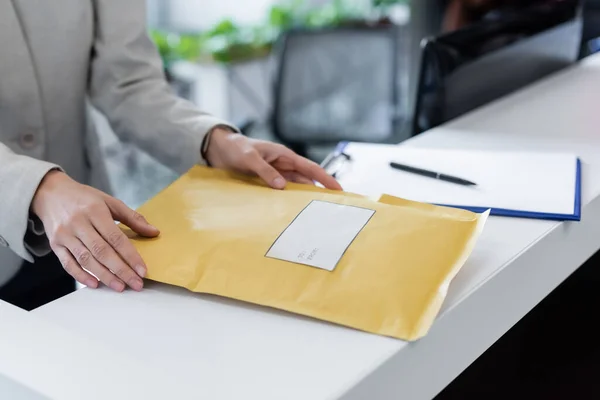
(465, 69)
(337, 84)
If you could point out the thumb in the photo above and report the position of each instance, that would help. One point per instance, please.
(266, 172)
(131, 218)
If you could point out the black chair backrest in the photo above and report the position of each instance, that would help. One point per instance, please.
(591, 20)
(468, 68)
(337, 84)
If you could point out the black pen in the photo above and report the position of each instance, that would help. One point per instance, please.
(432, 174)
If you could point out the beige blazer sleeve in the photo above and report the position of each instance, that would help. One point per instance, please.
(20, 177)
(128, 85)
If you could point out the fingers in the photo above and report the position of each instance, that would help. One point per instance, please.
(297, 178)
(131, 218)
(264, 170)
(72, 267)
(105, 256)
(257, 156)
(117, 240)
(85, 260)
(313, 171)
(82, 233)
(305, 167)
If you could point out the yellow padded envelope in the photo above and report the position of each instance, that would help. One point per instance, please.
(218, 229)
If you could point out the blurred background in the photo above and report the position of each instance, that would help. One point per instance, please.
(222, 55)
(311, 73)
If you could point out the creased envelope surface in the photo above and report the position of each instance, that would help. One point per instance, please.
(217, 228)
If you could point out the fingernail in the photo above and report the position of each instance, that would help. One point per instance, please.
(136, 284)
(118, 286)
(92, 283)
(141, 271)
(279, 183)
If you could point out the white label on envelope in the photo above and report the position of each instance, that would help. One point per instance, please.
(320, 234)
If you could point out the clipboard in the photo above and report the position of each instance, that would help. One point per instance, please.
(339, 162)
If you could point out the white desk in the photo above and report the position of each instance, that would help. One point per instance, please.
(42, 361)
(232, 350)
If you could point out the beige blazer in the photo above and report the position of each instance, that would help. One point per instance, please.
(56, 58)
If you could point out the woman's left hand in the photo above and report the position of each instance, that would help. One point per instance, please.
(272, 162)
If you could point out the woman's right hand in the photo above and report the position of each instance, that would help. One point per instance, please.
(79, 223)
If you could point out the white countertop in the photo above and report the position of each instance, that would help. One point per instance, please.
(231, 350)
(40, 360)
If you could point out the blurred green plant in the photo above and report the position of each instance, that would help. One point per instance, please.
(177, 46)
(228, 42)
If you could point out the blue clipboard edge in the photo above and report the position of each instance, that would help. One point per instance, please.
(576, 216)
(341, 146)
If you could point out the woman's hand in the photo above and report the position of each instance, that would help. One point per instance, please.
(272, 162)
(79, 222)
